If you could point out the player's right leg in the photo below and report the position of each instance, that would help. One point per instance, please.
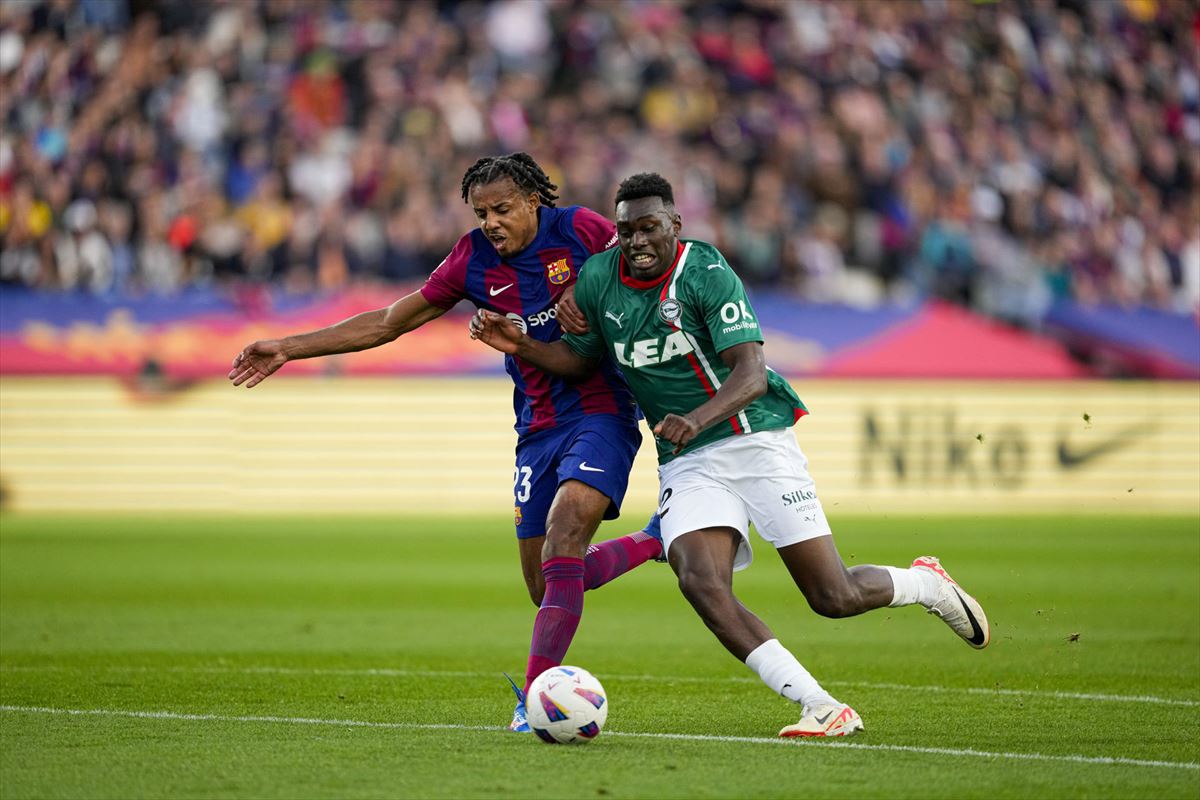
(567, 481)
(705, 528)
(703, 561)
(600, 454)
(530, 549)
(574, 516)
(597, 451)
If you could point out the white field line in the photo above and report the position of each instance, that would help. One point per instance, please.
(687, 737)
(417, 673)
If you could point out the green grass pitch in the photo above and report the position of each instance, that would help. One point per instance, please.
(345, 657)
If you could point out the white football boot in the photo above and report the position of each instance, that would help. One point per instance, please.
(825, 720)
(957, 609)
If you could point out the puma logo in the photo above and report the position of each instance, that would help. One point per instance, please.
(615, 317)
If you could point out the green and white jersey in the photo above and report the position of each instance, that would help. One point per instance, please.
(667, 335)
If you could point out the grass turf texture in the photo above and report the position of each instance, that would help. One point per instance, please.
(408, 623)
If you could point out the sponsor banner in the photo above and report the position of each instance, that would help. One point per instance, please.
(1004, 446)
(430, 445)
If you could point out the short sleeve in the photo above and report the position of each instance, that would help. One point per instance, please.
(447, 284)
(722, 299)
(596, 232)
(590, 344)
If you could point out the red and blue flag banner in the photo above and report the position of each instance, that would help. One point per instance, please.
(195, 335)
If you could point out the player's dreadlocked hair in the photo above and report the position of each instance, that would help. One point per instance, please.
(645, 184)
(525, 172)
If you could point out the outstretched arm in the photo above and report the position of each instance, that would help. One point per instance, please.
(746, 383)
(361, 332)
(556, 358)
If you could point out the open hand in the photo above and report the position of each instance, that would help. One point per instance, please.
(256, 362)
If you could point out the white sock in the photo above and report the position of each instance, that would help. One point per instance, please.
(780, 670)
(911, 586)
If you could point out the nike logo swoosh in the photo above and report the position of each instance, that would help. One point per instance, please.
(821, 720)
(1070, 457)
(584, 466)
(493, 291)
(976, 631)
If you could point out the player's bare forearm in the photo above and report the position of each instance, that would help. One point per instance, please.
(746, 383)
(364, 331)
(261, 359)
(743, 387)
(556, 358)
(359, 332)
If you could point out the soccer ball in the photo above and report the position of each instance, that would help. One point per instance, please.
(566, 705)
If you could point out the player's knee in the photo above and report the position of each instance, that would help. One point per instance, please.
(565, 543)
(700, 588)
(567, 538)
(833, 601)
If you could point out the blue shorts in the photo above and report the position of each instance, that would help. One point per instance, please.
(597, 450)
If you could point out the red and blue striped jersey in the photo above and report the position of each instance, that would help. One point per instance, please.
(525, 287)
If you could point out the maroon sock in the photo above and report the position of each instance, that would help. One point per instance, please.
(558, 618)
(615, 557)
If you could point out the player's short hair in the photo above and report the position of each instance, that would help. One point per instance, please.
(526, 173)
(645, 184)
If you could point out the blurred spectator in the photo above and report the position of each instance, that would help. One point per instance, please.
(995, 154)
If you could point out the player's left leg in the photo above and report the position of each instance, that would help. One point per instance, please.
(835, 591)
(612, 558)
(830, 588)
(602, 563)
(787, 512)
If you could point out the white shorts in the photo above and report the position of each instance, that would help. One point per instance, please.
(759, 477)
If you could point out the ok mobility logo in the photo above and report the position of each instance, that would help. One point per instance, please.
(933, 447)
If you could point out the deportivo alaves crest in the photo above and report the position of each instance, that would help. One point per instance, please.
(647, 352)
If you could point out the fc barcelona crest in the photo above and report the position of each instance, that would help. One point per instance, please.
(559, 271)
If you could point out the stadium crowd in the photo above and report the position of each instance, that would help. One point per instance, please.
(997, 154)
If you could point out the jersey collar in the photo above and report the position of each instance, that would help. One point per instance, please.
(634, 283)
